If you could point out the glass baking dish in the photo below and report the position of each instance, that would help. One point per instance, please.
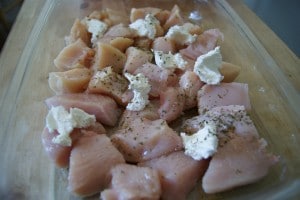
(26, 171)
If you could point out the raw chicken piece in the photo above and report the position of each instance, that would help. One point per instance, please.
(175, 18)
(205, 42)
(140, 13)
(72, 81)
(144, 139)
(149, 112)
(78, 31)
(163, 16)
(98, 14)
(97, 128)
(229, 71)
(120, 30)
(226, 118)
(159, 78)
(104, 108)
(163, 44)
(190, 63)
(136, 58)
(91, 159)
(107, 55)
(224, 94)
(172, 101)
(61, 154)
(110, 83)
(179, 174)
(143, 43)
(76, 54)
(194, 29)
(116, 16)
(127, 96)
(134, 183)
(191, 84)
(58, 153)
(108, 16)
(121, 43)
(240, 161)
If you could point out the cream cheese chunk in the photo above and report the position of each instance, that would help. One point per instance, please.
(181, 35)
(169, 61)
(207, 67)
(64, 122)
(97, 28)
(202, 144)
(140, 86)
(145, 27)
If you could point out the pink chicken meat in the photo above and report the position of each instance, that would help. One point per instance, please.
(179, 174)
(133, 182)
(159, 78)
(205, 42)
(144, 139)
(103, 107)
(242, 160)
(88, 175)
(61, 154)
(224, 94)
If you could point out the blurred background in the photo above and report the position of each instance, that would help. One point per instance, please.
(282, 16)
(9, 10)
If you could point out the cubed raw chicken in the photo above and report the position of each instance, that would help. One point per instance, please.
(109, 16)
(140, 13)
(117, 16)
(103, 107)
(240, 161)
(175, 18)
(106, 55)
(98, 14)
(120, 30)
(97, 128)
(179, 174)
(172, 101)
(110, 83)
(92, 158)
(191, 84)
(78, 31)
(127, 96)
(144, 139)
(134, 183)
(226, 118)
(163, 16)
(159, 78)
(76, 54)
(194, 29)
(205, 42)
(61, 154)
(224, 94)
(229, 72)
(190, 63)
(149, 112)
(136, 58)
(143, 43)
(164, 44)
(72, 81)
(121, 43)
